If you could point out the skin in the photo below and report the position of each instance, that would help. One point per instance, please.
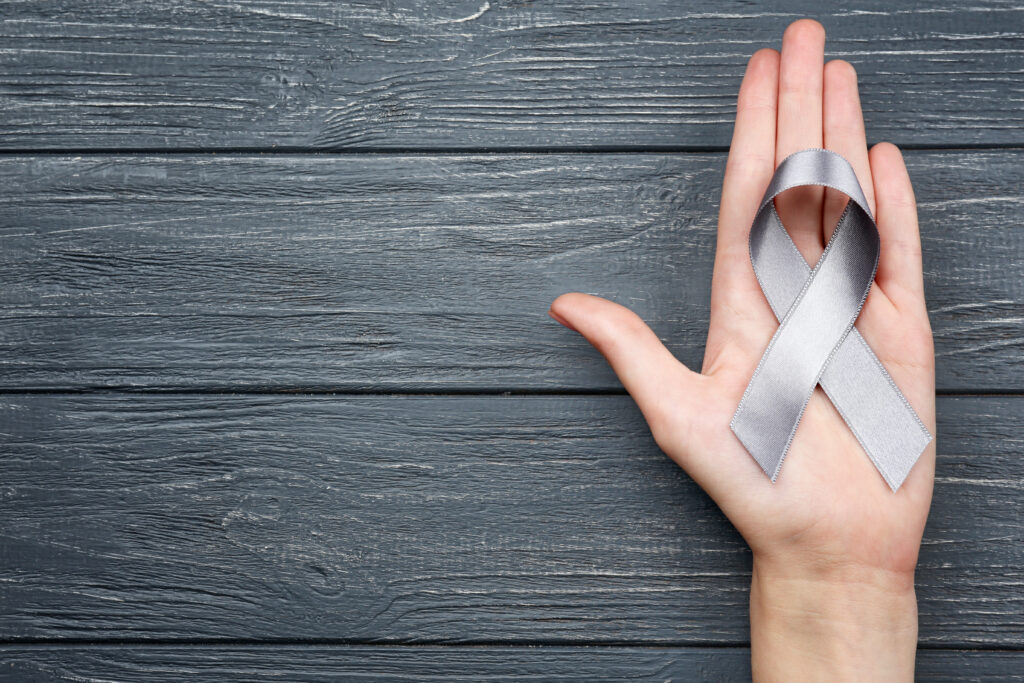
(832, 593)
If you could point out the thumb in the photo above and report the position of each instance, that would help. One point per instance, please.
(665, 390)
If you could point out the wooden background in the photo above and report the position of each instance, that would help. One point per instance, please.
(280, 398)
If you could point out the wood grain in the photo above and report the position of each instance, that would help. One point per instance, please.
(420, 519)
(426, 272)
(176, 534)
(159, 664)
(479, 73)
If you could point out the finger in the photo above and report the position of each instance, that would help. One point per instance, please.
(844, 135)
(800, 127)
(664, 389)
(751, 159)
(900, 273)
(748, 169)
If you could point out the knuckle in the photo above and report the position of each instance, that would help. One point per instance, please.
(750, 164)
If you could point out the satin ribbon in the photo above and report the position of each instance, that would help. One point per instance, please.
(816, 342)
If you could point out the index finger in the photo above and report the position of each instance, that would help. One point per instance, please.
(748, 170)
(751, 160)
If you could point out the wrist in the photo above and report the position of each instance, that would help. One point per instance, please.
(831, 623)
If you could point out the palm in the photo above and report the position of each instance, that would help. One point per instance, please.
(828, 497)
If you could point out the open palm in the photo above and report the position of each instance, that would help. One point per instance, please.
(829, 507)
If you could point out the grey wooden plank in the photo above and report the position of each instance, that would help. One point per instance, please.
(369, 663)
(430, 519)
(425, 271)
(476, 73)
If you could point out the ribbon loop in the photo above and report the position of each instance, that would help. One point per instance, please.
(816, 341)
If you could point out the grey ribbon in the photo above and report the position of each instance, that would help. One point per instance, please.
(816, 342)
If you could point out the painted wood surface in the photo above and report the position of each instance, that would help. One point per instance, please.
(216, 663)
(480, 73)
(460, 519)
(383, 272)
(172, 509)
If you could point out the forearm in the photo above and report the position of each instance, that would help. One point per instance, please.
(858, 626)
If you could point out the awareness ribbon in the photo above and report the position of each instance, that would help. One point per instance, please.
(816, 342)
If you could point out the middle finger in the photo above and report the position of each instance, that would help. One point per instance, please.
(800, 127)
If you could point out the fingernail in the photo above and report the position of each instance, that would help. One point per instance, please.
(561, 320)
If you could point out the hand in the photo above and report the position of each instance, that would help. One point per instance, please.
(834, 548)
